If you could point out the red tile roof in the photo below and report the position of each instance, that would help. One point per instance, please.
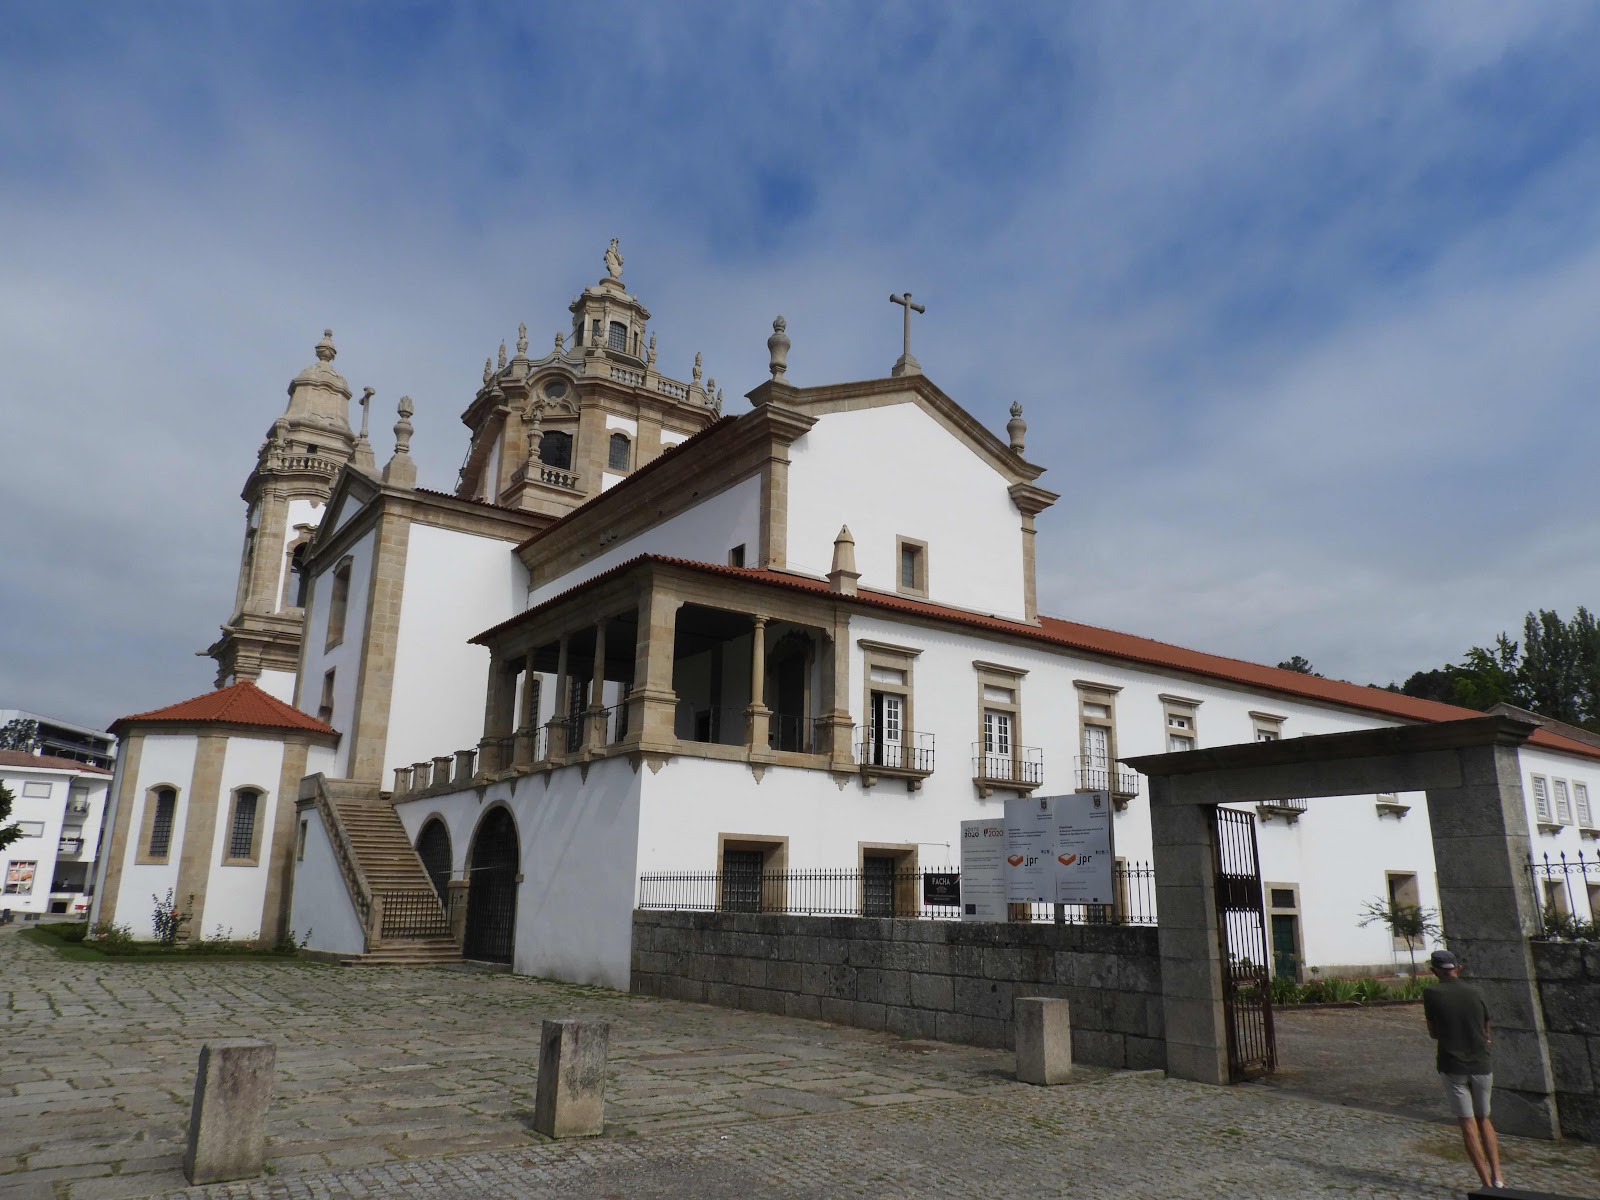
(242, 704)
(48, 762)
(1104, 642)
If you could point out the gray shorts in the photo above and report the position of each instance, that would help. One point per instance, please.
(1467, 1095)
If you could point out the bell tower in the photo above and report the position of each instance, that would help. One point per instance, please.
(286, 495)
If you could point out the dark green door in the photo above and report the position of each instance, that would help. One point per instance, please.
(1285, 959)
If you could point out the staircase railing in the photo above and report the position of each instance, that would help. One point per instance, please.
(343, 852)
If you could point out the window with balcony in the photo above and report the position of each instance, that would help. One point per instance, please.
(891, 745)
(999, 758)
(1096, 768)
(555, 450)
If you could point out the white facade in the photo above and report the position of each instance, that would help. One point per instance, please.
(60, 809)
(321, 913)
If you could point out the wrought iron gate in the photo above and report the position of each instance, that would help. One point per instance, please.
(1246, 953)
(492, 889)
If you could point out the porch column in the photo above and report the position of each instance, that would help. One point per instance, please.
(555, 731)
(1489, 910)
(1184, 858)
(653, 704)
(595, 734)
(497, 717)
(526, 741)
(758, 713)
(836, 697)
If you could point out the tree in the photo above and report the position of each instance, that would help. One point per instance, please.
(20, 734)
(1415, 924)
(1486, 677)
(1299, 665)
(1437, 684)
(13, 831)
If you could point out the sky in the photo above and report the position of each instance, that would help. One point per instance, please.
(1300, 300)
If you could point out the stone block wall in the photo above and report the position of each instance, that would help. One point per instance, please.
(951, 981)
(1569, 993)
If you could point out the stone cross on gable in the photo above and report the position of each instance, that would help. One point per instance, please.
(906, 365)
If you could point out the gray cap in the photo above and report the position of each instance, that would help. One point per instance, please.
(1443, 960)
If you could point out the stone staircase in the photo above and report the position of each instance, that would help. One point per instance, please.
(407, 926)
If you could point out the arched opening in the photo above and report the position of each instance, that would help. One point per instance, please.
(433, 848)
(492, 888)
(620, 452)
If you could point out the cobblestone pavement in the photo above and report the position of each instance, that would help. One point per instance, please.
(421, 1083)
(1379, 1058)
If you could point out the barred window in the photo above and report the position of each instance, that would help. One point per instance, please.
(161, 826)
(618, 335)
(242, 837)
(619, 452)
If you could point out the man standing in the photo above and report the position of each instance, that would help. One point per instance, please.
(1458, 1020)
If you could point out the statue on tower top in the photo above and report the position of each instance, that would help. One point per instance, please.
(613, 260)
(325, 350)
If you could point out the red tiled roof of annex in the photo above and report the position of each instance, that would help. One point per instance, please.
(1104, 642)
(242, 703)
(47, 762)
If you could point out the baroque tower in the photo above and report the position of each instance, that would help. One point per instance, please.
(286, 494)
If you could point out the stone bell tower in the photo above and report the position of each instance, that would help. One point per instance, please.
(286, 494)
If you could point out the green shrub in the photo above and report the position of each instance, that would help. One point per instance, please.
(1368, 990)
(111, 937)
(1315, 992)
(71, 931)
(1285, 990)
(1340, 991)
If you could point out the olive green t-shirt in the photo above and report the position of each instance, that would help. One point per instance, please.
(1458, 1015)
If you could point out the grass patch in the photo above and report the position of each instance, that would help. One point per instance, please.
(69, 940)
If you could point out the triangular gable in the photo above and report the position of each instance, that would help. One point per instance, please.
(352, 492)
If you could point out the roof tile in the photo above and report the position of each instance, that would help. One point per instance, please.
(48, 762)
(242, 703)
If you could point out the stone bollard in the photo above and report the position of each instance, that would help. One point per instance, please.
(1043, 1028)
(570, 1099)
(228, 1122)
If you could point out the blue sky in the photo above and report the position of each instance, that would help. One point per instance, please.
(1300, 299)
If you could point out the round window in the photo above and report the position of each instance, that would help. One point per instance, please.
(555, 389)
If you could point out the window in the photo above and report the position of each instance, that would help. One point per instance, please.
(617, 336)
(36, 791)
(161, 809)
(325, 706)
(911, 566)
(752, 873)
(1541, 800)
(30, 829)
(338, 603)
(594, 332)
(555, 450)
(243, 824)
(1266, 726)
(736, 556)
(296, 582)
(1555, 899)
(996, 732)
(889, 738)
(998, 755)
(1580, 793)
(621, 453)
(1097, 739)
(19, 878)
(1563, 802)
(889, 880)
(300, 841)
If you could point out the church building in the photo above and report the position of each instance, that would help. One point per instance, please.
(643, 638)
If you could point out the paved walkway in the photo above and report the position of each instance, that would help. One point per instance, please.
(421, 1083)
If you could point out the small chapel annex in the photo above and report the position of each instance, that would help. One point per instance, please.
(644, 635)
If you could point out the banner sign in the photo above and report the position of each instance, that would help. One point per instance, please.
(983, 870)
(1083, 848)
(1030, 849)
(941, 889)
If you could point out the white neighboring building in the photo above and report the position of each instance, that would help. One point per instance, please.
(60, 804)
(63, 739)
(805, 637)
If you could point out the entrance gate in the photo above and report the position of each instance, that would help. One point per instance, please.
(492, 871)
(1246, 954)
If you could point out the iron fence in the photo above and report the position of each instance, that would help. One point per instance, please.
(1568, 891)
(1097, 775)
(928, 893)
(412, 912)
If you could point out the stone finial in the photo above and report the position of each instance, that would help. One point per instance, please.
(613, 261)
(561, 343)
(1017, 428)
(842, 578)
(697, 368)
(650, 352)
(502, 356)
(522, 340)
(401, 471)
(778, 348)
(362, 455)
(716, 405)
(488, 371)
(325, 350)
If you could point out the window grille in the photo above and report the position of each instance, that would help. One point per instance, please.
(619, 458)
(741, 880)
(161, 825)
(617, 336)
(241, 840)
(555, 450)
(877, 886)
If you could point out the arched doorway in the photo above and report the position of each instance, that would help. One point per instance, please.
(433, 848)
(492, 868)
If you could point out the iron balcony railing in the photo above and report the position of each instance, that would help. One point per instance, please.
(1098, 775)
(1568, 891)
(77, 808)
(70, 845)
(567, 735)
(1025, 764)
(795, 734)
(913, 752)
(931, 894)
(716, 725)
